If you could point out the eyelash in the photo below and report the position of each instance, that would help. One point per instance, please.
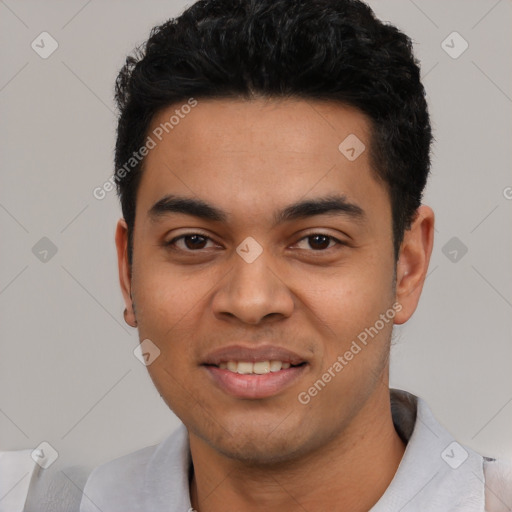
(170, 244)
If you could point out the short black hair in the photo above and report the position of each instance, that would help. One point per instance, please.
(334, 50)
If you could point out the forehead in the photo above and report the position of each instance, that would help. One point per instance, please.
(257, 155)
(261, 125)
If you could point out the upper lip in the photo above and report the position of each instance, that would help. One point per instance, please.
(253, 354)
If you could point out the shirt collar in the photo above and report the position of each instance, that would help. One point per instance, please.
(436, 473)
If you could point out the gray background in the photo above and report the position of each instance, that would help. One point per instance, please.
(67, 370)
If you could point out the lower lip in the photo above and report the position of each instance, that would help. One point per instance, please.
(254, 386)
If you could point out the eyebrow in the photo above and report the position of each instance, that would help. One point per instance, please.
(332, 204)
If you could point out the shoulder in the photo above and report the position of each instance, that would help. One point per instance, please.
(56, 489)
(498, 485)
(117, 482)
(140, 480)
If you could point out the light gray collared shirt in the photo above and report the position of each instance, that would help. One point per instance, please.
(436, 473)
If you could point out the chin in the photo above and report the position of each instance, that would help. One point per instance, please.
(255, 447)
(261, 456)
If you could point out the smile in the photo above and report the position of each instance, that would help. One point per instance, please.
(247, 380)
(258, 367)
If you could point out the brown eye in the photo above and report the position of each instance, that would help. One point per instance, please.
(318, 242)
(194, 241)
(189, 243)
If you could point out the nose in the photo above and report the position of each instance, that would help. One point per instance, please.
(253, 292)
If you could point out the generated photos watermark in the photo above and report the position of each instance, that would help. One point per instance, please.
(137, 156)
(304, 397)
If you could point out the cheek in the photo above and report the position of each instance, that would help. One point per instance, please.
(165, 298)
(350, 299)
(347, 314)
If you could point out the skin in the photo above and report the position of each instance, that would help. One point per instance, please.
(250, 159)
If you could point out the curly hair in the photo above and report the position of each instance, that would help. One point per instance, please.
(334, 50)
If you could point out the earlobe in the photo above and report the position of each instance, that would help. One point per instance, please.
(125, 271)
(129, 317)
(412, 265)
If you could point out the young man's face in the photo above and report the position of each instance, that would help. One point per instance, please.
(304, 299)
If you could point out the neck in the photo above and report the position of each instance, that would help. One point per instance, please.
(353, 470)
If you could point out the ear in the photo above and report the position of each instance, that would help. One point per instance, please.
(125, 279)
(412, 265)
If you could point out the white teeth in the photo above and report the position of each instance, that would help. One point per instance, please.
(275, 366)
(244, 367)
(258, 368)
(261, 367)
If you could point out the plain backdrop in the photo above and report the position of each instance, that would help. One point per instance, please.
(68, 374)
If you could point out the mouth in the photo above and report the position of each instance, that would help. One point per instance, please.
(254, 373)
(255, 368)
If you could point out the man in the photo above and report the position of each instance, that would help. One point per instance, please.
(271, 159)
